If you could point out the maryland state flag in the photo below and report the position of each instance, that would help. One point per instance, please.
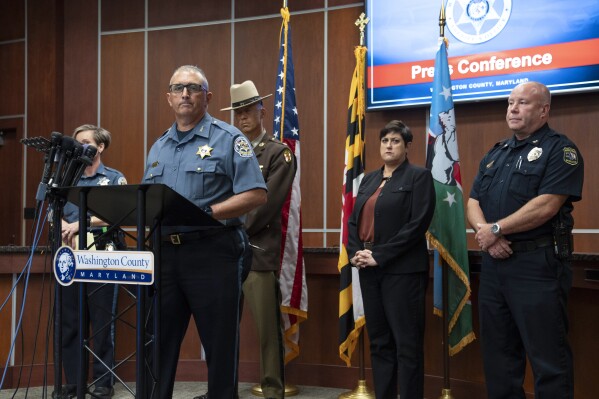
(294, 291)
(351, 309)
(447, 232)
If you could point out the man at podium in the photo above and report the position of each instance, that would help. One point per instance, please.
(212, 164)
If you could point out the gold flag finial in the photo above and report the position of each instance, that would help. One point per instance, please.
(442, 20)
(361, 24)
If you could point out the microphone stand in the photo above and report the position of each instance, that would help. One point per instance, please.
(57, 204)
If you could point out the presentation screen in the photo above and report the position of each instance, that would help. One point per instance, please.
(493, 46)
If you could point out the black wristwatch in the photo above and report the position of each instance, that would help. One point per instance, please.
(496, 229)
(208, 210)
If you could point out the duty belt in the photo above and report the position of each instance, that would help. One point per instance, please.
(181, 238)
(526, 246)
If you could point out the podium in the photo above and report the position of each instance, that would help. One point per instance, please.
(143, 205)
(120, 205)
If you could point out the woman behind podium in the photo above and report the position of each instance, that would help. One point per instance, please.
(392, 212)
(101, 297)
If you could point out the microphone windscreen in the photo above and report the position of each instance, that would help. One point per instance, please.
(56, 138)
(68, 144)
(78, 150)
(90, 150)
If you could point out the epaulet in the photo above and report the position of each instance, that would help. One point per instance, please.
(221, 124)
(501, 143)
(552, 132)
(164, 134)
(225, 127)
(277, 141)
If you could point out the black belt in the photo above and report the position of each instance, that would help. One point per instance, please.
(368, 245)
(526, 246)
(181, 238)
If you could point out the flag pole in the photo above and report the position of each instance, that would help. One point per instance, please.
(447, 231)
(361, 391)
(289, 389)
(446, 391)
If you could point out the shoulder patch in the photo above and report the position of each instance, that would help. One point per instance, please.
(287, 155)
(122, 181)
(243, 147)
(570, 156)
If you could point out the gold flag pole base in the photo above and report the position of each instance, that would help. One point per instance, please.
(446, 394)
(290, 390)
(361, 392)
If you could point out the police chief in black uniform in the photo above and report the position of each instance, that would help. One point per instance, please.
(521, 209)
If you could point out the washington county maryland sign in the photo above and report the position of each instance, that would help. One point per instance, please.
(118, 267)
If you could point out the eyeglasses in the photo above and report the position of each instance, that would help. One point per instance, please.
(192, 88)
(393, 141)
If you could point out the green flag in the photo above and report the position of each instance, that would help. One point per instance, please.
(447, 232)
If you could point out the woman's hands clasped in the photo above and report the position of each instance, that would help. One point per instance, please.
(363, 259)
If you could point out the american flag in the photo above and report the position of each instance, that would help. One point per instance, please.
(294, 306)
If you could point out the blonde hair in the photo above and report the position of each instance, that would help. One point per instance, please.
(101, 135)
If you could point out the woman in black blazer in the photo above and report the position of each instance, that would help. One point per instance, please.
(392, 212)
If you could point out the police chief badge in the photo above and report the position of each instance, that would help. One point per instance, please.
(534, 154)
(204, 151)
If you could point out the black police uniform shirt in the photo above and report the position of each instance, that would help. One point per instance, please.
(513, 172)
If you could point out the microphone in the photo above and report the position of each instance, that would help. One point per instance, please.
(41, 144)
(85, 160)
(65, 154)
(55, 141)
(72, 165)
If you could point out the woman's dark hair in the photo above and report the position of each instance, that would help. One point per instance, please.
(396, 126)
